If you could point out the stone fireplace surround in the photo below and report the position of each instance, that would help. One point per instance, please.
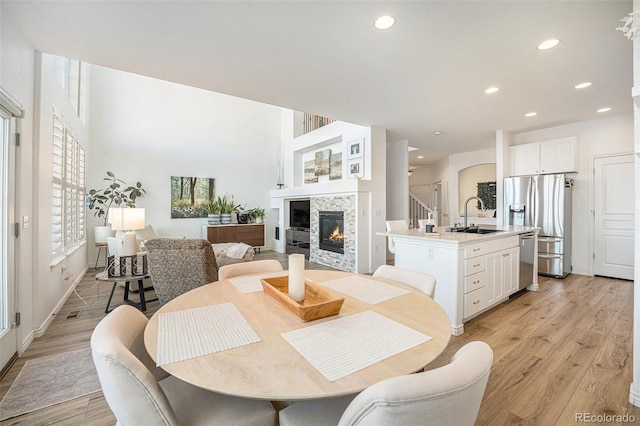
(347, 204)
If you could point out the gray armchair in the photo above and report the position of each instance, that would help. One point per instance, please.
(179, 265)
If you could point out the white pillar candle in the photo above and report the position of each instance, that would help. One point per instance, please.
(296, 277)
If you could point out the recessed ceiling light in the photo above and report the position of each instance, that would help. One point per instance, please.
(548, 44)
(385, 22)
(604, 109)
(583, 85)
(420, 157)
(531, 114)
(437, 132)
(491, 90)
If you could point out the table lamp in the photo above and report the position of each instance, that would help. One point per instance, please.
(128, 220)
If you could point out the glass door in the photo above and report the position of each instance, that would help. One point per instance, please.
(8, 332)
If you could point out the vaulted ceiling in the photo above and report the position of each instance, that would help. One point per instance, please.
(425, 74)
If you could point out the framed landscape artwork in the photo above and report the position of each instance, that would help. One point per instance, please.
(323, 162)
(310, 172)
(189, 196)
(336, 166)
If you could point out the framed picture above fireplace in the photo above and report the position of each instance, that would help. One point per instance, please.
(355, 149)
(355, 168)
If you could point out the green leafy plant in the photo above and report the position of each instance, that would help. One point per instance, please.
(258, 212)
(227, 205)
(117, 194)
(212, 206)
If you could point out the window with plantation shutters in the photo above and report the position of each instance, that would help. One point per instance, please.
(56, 189)
(68, 189)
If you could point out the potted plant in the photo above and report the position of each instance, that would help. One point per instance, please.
(244, 216)
(212, 207)
(117, 194)
(258, 214)
(227, 207)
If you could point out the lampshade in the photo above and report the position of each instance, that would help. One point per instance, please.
(126, 219)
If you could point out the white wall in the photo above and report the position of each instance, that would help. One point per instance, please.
(605, 136)
(459, 162)
(17, 70)
(41, 286)
(50, 288)
(397, 165)
(148, 130)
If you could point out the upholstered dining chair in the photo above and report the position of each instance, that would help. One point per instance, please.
(233, 270)
(395, 225)
(139, 393)
(179, 265)
(449, 395)
(421, 282)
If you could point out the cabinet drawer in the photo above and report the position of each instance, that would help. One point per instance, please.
(475, 281)
(475, 265)
(474, 302)
(490, 246)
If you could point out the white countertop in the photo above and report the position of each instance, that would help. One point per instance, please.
(460, 238)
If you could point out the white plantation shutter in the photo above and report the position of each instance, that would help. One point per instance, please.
(68, 189)
(56, 188)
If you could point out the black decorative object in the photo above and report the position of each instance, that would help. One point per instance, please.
(120, 266)
(487, 193)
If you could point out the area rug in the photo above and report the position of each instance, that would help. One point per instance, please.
(50, 380)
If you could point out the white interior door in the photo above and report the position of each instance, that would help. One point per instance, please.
(614, 222)
(8, 333)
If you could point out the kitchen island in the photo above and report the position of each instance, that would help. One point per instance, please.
(473, 271)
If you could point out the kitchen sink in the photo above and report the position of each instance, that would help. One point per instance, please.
(482, 231)
(474, 230)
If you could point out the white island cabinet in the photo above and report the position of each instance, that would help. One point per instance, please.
(473, 272)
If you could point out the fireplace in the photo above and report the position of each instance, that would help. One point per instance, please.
(332, 231)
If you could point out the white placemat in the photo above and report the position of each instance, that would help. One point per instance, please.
(366, 289)
(201, 331)
(251, 284)
(343, 346)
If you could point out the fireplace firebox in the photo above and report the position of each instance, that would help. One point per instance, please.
(332, 231)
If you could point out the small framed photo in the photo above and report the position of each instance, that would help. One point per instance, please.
(355, 149)
(355, 168)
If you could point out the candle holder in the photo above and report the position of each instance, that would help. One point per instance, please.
(318, 302)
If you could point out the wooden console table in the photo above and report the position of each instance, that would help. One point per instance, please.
(250, 233)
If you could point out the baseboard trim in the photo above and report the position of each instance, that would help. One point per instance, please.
(39, 332)
(634, 396)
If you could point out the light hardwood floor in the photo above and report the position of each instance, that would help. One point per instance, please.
(561, 351)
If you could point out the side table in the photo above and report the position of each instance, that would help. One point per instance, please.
(101, 246)
(142, 304)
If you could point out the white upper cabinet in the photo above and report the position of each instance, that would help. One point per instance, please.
(555, 156)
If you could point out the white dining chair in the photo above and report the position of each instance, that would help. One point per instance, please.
(418, 280)
(245, 268)
(449, 395)
(395, 225)
(139, 393)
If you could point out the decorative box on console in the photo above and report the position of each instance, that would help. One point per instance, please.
(120, 266)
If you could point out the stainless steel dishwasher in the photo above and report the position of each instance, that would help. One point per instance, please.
(527, 257)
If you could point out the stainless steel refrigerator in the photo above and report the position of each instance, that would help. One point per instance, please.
(543, 201)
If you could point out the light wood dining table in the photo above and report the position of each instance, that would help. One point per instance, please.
(272, 369)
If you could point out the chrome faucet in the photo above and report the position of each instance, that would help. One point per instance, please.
(465, 208)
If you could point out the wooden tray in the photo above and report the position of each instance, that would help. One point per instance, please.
(318, 302)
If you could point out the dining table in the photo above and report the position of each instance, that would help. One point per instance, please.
(383, 329)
